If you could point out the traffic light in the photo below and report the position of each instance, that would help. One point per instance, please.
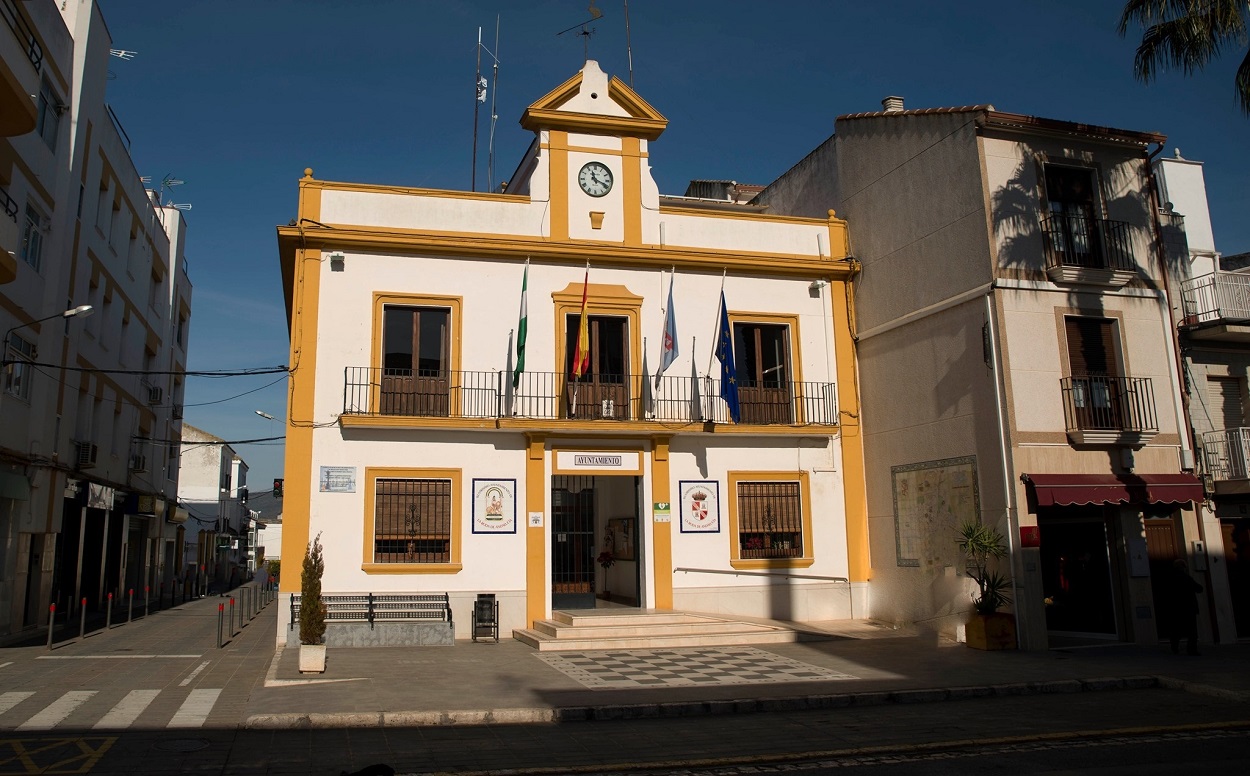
(277, 487)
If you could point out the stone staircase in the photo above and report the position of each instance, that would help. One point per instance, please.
(624, 628)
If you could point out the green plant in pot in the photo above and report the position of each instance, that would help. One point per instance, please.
(987, 628)
(312, 611)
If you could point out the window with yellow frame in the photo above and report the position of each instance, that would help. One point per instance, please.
(770, 520)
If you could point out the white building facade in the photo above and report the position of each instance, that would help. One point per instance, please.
(427, 460)
(90, 399)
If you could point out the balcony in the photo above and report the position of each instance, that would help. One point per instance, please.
(10, 238)
(1226, 459)
(1100, 410)
(1217, 307)
(1090, 251)
(487, 399)
(21, 57)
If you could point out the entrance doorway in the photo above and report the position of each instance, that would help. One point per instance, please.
(596, 557)
(1077, 579)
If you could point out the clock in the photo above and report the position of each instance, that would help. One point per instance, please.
(595, 179)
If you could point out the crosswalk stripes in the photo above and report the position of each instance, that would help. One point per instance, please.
(193, 712)
(127, 710)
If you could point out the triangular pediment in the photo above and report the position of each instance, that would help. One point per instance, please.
(595, 103)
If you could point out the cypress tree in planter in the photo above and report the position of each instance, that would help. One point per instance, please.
(312, 611)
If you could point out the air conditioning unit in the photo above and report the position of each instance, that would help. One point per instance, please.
(84, 454)
(155, 394)
(138, 463)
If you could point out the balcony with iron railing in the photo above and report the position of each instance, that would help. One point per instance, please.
(1093, 251)
(1102, 410)
(1226, 459)
(485, 398)
(20, 45)
(9, 237)
(1217, 307)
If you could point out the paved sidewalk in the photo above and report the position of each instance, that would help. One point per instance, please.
(508, 682)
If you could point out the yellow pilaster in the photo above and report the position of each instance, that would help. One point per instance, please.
(558, 163)
(631, 188)
(298, 475)
(535, 537)
(662, 554)
(853, 480)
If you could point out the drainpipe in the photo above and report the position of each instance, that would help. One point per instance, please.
(1008, 490)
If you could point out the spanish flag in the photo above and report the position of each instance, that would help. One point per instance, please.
(581, 356)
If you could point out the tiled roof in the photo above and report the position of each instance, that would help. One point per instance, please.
(920, 112)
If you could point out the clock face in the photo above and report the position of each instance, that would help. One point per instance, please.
(595, 179)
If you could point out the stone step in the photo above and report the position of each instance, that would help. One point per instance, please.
(630, 628)
(592, 617)
(545, 643)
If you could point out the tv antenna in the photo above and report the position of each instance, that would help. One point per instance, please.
(479, 99)
(122, 54)
(595, 13)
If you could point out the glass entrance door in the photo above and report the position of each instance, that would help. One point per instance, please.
(1076, 572)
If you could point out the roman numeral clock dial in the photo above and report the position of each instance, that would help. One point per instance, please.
(595, 179)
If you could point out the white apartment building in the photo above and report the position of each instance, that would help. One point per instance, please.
(93, 292)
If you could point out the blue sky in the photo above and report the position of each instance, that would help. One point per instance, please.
(237, 97)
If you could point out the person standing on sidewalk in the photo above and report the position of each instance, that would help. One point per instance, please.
(1182, 608)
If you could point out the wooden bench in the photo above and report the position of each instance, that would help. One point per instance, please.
(387, 607)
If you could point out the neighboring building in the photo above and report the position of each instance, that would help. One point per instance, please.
(1211, 305)
(425, 467)
(1017, 363)
(213, 489)
(86, 472)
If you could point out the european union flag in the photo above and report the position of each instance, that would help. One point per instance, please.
(728, 371)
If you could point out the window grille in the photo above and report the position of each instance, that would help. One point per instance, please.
(770, 520)
(412, 521)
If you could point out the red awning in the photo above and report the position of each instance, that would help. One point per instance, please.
(1068, 489)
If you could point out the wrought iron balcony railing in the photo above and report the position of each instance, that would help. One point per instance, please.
(1226, 454)
(1109, 404)
(14, 20)
(1074, 240)
(374, 392)
(7, 205)
(1221, 297)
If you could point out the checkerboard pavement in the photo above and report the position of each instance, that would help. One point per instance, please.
(637, 668)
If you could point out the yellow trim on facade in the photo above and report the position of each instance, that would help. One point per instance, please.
(303, 271)
(535, 536)
(417, 191)
(601, 299)
(854, 476)
(662, 533)
(589, 123)
(454, 304)
(372, 475)
(790, 320)
(805, 495)
(631, 189)
(406, 421)
(558, 185)
(489, 247)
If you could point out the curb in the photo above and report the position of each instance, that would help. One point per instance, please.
(535, 715)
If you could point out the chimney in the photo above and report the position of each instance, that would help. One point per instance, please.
(892, 104)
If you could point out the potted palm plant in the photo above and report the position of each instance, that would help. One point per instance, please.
(312, 611)
(987, 628)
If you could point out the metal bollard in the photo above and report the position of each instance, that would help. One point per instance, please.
(108, 614)
(146, 596)
(232, 616)
(220, 615)
(51, 622)
(130, 614)
(82, 620)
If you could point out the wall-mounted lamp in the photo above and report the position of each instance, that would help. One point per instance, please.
(816, 285)
(336, 262)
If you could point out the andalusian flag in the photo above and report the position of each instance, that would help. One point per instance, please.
(521, 326)
(581, 356)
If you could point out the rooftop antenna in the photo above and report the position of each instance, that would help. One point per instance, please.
(595, 13)
(629, 51)
(494, 115)
(479, 83)
(122, 54)
(168, 182)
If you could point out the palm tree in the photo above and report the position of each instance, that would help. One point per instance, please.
(1189, 34)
